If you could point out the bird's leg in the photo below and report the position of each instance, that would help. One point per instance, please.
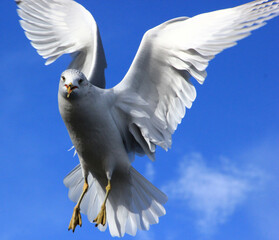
(101, 217)
(76, 217)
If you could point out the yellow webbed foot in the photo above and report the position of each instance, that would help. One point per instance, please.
(75, 220)
(102, 216)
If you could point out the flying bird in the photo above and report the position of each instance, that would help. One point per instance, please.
(108, 127)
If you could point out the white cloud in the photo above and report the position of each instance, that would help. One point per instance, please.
(149, 171)
(264, 209)
(145, 235)
(213, 194)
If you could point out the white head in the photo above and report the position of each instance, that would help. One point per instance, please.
(72, 84)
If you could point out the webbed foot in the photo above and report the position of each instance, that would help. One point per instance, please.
(101, 217)
(76, 219)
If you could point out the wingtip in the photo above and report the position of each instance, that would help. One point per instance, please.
(18, 2)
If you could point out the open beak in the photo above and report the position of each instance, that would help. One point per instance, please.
(70, 88)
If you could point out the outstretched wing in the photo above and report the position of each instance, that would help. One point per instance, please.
(154, 93)
(56, 27)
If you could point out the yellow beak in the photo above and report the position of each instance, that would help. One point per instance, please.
(70, 88)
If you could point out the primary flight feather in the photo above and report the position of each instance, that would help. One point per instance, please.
(109, 126)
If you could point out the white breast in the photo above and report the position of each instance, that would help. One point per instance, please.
(94, 134)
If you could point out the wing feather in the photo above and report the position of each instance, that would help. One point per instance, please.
(169, 55)
(58, 27)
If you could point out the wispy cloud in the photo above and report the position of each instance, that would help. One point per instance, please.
(145, 235)
(264, 209)
(149, 171)
(212, 193)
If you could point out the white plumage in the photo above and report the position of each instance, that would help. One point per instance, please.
(134, 204)
(57, 27)
(109, 126)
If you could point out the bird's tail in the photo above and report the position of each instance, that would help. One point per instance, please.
(133, 203)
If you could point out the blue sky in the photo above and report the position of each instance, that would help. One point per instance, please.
(221, 174)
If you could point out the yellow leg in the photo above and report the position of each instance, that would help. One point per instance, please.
(76, 217)
(102, 218)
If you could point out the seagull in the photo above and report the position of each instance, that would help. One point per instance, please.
(108, 127)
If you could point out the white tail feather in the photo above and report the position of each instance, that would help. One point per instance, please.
(134, 203)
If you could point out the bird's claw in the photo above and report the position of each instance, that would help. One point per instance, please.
(101, 217)
(75, 220)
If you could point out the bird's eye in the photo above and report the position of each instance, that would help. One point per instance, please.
(63, 78)
(80, 81)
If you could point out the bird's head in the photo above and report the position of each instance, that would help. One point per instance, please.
(72, 83)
